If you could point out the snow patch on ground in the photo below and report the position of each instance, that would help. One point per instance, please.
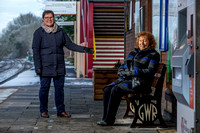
(4, 93)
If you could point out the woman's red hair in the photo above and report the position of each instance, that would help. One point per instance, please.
(149, 35)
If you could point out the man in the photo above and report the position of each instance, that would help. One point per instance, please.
(48, 54)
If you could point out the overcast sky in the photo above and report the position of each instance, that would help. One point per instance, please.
(10, 9)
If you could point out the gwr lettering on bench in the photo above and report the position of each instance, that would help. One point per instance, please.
(147, 112)
(147, 107)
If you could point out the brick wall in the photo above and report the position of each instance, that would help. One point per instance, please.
(130, 42)
(130, 35)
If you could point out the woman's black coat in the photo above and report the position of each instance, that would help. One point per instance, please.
(48, 51)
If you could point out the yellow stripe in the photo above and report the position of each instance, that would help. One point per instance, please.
(94, 46)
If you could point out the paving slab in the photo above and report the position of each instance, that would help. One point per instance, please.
(19, 112)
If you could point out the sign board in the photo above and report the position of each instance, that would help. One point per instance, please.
(61, 7)
(69, 23)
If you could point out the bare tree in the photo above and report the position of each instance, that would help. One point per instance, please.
(17, 37)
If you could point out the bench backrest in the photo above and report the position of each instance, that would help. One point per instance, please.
(158, 80)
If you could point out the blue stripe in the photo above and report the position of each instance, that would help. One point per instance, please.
(125, 66)
(146, 58)
(153, 61)
(122, 65)
(139, 55)
(127, 85)
(113, 83)
(136, 70)
(160, 28)
(130, 56)
(166, 27)
(149, 70)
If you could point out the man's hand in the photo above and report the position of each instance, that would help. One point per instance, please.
(38, 71)
(88, 50)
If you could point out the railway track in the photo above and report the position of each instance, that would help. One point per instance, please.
(5, 65)
(11, 68)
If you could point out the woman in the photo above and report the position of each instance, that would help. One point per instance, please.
(48, 54)
(135, 76)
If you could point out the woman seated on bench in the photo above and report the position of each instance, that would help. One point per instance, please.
(135, 76)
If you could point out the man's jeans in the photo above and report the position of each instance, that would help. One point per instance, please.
(59, 93)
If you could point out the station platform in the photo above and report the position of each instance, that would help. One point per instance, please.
(19, 109)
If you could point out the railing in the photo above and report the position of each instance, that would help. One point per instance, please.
(94, 46)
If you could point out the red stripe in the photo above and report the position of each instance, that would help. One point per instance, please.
(113, 60)
(109, 40)
(109, 44)
(109, 56)
(103, 64)
(109, 49)
(111, 52)
(109, 4)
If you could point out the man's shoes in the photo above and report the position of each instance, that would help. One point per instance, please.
(63, 114)
(44, 115)
(103, 123)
